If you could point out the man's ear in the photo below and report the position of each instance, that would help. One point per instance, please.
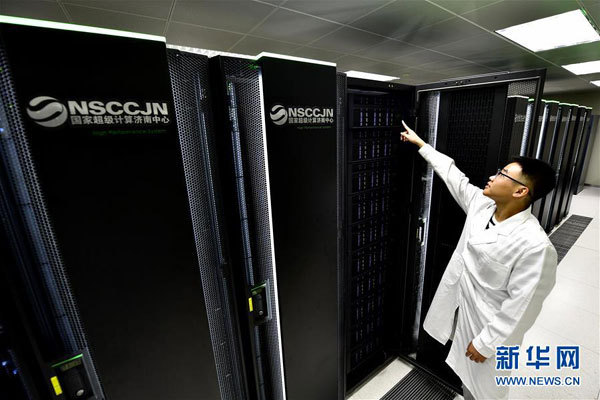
(521, 192)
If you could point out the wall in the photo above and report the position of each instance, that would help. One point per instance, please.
(590, 98)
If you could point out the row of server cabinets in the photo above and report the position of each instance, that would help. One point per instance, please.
(179, 227)
(562, 141)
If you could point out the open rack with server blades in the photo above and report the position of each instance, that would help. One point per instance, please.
(379, 182)
(468, 120)
(102, 227)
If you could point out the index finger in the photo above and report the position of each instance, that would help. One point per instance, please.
(406, 126)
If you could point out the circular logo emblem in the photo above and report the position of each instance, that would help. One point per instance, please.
(278, 114)
(47, 111)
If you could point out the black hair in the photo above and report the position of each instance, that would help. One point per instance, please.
(541, 175)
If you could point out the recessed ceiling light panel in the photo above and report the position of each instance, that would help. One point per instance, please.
(584, 68)
(560, 30)
(368, 75)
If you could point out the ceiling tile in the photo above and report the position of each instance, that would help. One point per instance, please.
(202, 38)
(47, 10)
(593, 9)
(566, 85)
(149, 8)
(443, 64)
(236, 16)
(343, 11)
(514, 63)
(362, 64)
(317, 54)
(475, 45)
(402, 17)
(389, 50)
(463, 6)
(253, 46)
(515, 12)
(115, 20)
(573, 54)
(293, 27)
(422, 57)
(348, 40)
(415, 76)
(468, 70)
(445, 32)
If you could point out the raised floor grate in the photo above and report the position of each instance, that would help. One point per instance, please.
(568, 233)
(419, 385)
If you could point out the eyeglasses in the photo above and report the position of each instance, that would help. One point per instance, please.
(499, 172)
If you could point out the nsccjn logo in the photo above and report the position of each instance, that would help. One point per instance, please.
(47, 111)
(279, 114)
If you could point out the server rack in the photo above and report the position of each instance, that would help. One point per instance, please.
(556, 151)
(469, 120)
(378, 222)
(584, 159)
(565, 168)
(549, 124)
(243, 171)
(575, 154)
(101, 224)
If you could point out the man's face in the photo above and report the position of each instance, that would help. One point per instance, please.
(500, 187)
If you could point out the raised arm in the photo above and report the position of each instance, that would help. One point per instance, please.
(458, 184)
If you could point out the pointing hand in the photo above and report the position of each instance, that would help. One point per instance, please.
(410, 136)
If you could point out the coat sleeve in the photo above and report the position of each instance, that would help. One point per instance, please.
(530, 282)
(458, 184)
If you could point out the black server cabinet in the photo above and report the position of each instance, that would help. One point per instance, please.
(242, 167)
(575, 155)
(548, 127)
(379, 221)
(566, 167)
(516, 124)
(396, 255)
(584, 149)
(563, 118)
(96, 206)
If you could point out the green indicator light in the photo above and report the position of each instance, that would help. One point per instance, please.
(66, 361)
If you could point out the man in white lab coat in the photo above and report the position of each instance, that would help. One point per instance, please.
(503, 268)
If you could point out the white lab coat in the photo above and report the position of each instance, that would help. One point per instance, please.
(497, 277)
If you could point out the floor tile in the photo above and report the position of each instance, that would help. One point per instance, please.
(573, 323)
(580, 264)
(380, 384)
(589, 239)
(577, 294)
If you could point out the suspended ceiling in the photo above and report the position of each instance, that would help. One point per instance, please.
(417, 40)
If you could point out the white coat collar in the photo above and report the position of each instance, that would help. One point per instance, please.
(510, 224)
(481, 235)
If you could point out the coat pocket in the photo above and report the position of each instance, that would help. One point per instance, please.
(493, 273)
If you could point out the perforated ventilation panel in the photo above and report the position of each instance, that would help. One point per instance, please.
(523, 88)
(428, 124)
(243, 83)
(341, 92)
(31, 210)
(470, 116)
(189, 78)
